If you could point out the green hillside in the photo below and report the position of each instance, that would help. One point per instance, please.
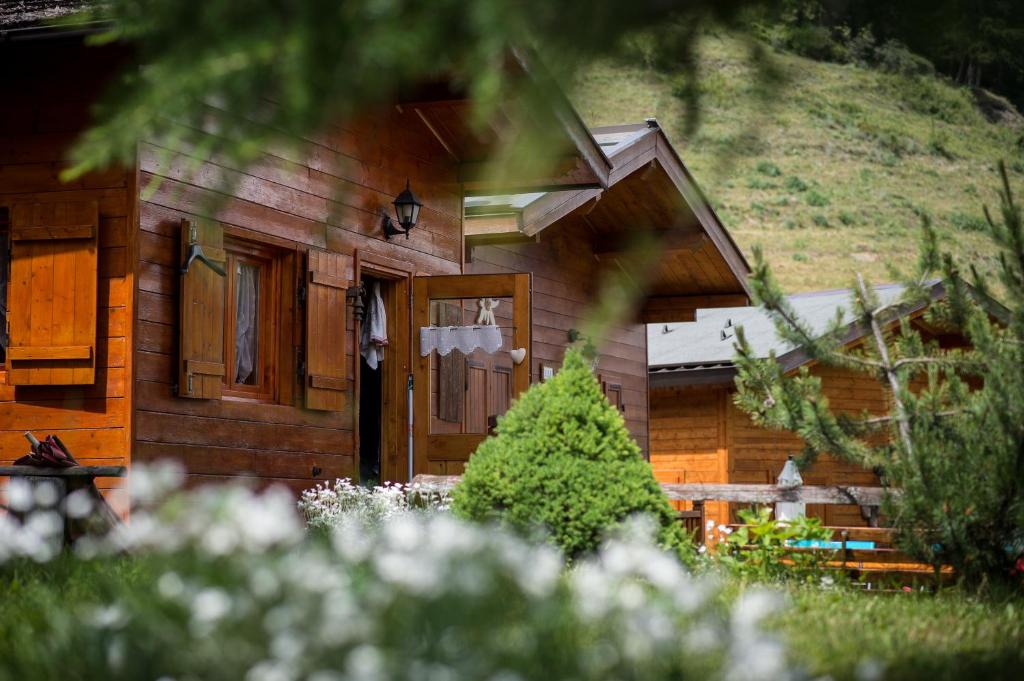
(831, 173)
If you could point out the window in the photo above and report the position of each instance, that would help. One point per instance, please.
(250, 320)
(5, 273)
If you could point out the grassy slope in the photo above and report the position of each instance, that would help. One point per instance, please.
(830, 173)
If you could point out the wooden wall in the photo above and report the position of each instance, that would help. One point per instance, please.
(326, 197)
(565, 279)
(689, 429)
(44, 105)
(699, 435)
(756, 455)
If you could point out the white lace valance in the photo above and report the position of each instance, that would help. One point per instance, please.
(466, 339)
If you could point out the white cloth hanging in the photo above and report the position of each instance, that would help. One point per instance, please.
(246, 299)
(374, 334)
(466, 339)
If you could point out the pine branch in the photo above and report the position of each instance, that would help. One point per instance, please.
(902, 419)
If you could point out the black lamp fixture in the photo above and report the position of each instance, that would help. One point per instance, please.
(407, 208)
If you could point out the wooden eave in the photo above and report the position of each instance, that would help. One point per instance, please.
(577, 162)
(649, 190)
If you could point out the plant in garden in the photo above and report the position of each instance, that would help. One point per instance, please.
(563, 460)
(952, 443)
(328, 504)
(223, 583)
(763, 548)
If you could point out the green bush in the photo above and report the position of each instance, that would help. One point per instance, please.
(795, 184)
(762, 547)
(967, 222)
(768, 168)
(894, 57)
(563, 460)
(817, 199)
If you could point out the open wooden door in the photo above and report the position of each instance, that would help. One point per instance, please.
(458, 393)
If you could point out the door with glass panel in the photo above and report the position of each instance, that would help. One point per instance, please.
(472, 358)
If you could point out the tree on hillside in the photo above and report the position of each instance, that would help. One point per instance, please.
(951, 448)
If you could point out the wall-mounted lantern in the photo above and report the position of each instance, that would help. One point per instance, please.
(407, 209)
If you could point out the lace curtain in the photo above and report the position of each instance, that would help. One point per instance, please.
(465, 339)
(246, 300)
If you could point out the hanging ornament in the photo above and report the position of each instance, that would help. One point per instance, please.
(485, 317)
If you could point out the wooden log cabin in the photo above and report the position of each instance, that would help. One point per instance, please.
(153, 314)
(698, 435)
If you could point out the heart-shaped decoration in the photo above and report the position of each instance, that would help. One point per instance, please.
(518, 355)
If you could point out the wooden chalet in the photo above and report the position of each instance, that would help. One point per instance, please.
(698, 435)
(144, 325)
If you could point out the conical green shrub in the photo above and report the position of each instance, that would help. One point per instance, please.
(563, 460)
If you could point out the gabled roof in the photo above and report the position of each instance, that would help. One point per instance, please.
(649, 190)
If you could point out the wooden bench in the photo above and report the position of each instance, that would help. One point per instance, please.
(66, 481)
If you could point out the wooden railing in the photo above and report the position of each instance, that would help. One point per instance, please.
(884, 558)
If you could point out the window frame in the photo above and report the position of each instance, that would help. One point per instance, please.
(268, 259)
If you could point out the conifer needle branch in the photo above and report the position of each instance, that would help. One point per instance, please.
(902, 422)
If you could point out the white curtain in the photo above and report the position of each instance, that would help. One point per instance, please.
(465, 339)
(246, 300)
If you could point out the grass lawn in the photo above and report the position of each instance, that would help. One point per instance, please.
(831, 172)
(850, 635)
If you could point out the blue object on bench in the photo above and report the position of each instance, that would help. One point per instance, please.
(837, 545)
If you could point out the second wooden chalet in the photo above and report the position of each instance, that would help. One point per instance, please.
(698, 435)
(294, 333)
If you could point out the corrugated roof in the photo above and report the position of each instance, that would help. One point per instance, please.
(709, 340)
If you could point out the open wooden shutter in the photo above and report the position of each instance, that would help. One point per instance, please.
(201, 324)
(52, 293)
(327, 277)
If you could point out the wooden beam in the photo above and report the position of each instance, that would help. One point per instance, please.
(751, 494)
(436, 133)
(564, 173)
(665, 309)
(669, 240)
(770, 494)
(486, 225)
(72, 472)
(696, 302)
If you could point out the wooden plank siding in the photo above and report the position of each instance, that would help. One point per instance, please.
(688, 425)
(45, 105)
(565, 279)
(328, 197)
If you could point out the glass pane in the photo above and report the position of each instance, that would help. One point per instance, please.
(247, 303)
(469, 387)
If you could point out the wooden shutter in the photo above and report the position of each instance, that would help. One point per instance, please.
(327, 277)
(613, 391)
(52, 293)
(201, 323)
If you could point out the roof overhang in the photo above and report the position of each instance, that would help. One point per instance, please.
(492, 157)
(650, 194)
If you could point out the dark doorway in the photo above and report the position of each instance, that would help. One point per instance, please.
(371, 383)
